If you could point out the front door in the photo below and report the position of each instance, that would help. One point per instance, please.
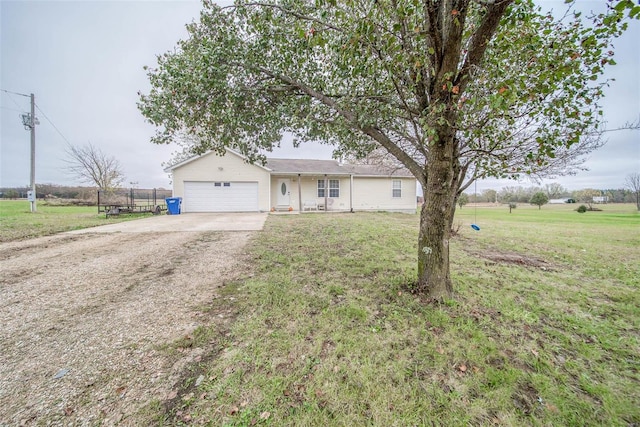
(284, 193)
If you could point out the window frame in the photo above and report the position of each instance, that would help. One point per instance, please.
(396, 191)
(334, 189)
(320, 189)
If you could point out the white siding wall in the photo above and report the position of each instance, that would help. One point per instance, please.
(377, 194)
(230, 167)
(368, 193)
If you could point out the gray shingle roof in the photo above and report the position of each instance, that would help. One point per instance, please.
(330, 167)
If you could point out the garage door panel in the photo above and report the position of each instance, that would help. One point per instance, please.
(220, 196)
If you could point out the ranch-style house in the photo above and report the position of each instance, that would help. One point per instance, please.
(213, 183)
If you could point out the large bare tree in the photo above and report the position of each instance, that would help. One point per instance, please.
(90, 165)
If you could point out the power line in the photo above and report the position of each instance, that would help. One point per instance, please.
(13, 100)
(9, 92)
(16, 93)
(51, 123)
(12, 109)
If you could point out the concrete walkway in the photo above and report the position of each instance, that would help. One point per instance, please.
(184, 222)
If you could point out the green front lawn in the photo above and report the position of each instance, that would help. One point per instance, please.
(17, 222)
(544, 329)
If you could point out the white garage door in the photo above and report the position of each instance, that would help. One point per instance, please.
(220, 196)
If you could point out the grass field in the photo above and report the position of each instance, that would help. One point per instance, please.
(322, 330)
(544, 329)
(17, 222)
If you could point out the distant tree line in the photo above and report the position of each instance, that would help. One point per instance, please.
(520, 194)
(44, 191)
(55, 191)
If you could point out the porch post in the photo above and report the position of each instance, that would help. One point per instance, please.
(351, 193)
(269, 188)
(299, 194)
(326, 193)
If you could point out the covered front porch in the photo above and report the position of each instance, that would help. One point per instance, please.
(311, 193)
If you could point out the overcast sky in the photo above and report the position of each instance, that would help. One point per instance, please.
(83, 61)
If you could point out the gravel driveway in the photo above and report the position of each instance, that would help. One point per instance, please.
(84, 318)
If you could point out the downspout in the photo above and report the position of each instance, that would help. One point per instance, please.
(326, 193)
(299, 194)
(351, 193)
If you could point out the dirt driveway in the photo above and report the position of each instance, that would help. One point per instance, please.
(85, 319)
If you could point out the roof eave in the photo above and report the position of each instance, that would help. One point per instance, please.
(310, 173)
(385, 176)
(199, 156)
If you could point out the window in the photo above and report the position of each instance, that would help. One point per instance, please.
(334, 188)
(218, 184)
(321, 188)
(397, 188)
(227, 184)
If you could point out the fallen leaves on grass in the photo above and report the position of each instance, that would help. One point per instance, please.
(514, 258)
(183, 416)
(551, 408)
(463, 368)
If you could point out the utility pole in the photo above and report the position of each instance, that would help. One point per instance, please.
(29, 122)
(32, 199)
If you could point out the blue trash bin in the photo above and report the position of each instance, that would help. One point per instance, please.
(173, 205)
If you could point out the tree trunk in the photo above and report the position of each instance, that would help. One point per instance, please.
(435, 222)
